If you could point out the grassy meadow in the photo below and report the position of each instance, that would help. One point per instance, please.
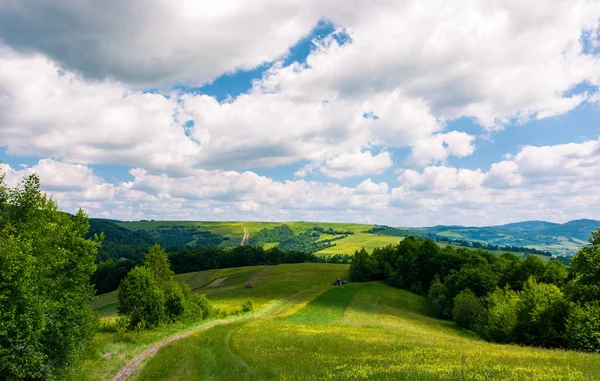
(235, 232)
(305, 329)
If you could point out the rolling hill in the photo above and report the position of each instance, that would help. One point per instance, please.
(564, 238)
(131, 239)
(305, 328)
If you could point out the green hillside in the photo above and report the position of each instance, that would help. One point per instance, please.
(304, 328)
(131, 239)
(564, 238)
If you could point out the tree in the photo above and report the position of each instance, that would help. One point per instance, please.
(441, 305)
(583, 327)
(361, 268)
(541, 315)
(500, 317)
(585, 271)
(141, 299)
(45, 269)
(468, 309)
(150, 296)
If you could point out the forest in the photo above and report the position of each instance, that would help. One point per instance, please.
(502, 298)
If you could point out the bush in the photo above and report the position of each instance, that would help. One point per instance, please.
(468, 309)
(541, 315)
(141, 299)
(200, 307)
(247, 306)
(583, 327)
(441, 305)
(500, 318)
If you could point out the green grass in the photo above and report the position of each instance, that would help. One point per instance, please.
(235, 232)
(327, 307)
(364, 331)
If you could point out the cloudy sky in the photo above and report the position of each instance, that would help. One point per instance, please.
(406, 113)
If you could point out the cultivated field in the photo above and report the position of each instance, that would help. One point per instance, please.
(305, 329)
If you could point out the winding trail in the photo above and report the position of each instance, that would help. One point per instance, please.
(246, 236)
(273, 309)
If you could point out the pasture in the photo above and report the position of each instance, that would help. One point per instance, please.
(304, 328)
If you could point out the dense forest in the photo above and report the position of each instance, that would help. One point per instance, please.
(504, 299)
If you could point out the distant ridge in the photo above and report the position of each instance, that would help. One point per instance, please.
(556, 238)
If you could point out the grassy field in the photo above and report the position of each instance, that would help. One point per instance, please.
(358, 331)
(235, 232)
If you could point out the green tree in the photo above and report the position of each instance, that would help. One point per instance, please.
(555, 273)
(141, 299)
(541, 315)
(441, 305)
(468, 309)
(157, 261)
(45, 270)
(500, 317)
(585, 271)
(583, 327)
(361, 268)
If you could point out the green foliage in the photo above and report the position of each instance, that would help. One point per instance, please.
(360, 268)
(119, 242)
(247, 306)
(583, 327)
(541, 315)
(554, 273)
(585, 272)
(141, 299)
(500, 318)
(149, 295)
(441, 304)
(45, 269)
(199, 307)
(468, 310)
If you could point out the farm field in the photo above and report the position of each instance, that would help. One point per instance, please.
(358, 331)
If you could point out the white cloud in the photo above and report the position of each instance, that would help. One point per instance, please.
(356, 163)
(554, 183)
(70, 76)
(160, 41)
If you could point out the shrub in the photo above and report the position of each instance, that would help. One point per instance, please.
(247, 306)
(468, 309)
(500, 318)
(583, 327)
(200, 307)
(141, 299)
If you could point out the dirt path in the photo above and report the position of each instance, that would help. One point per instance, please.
(246, 236)
(133, 365)
(217, 282)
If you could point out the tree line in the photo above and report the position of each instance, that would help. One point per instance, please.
(502, 298)
(184, 259)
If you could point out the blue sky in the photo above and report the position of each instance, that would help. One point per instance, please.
(390, 114)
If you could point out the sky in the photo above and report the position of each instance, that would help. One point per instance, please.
(404, 113)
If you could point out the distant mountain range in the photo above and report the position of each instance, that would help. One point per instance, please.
(556, 238)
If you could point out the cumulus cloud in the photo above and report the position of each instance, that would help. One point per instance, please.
(356, 163)
(158, 42)
(70, 89)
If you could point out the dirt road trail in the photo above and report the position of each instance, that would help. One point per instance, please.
(246, 236)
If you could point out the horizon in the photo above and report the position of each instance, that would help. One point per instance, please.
(388, 113)
(355, 223)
